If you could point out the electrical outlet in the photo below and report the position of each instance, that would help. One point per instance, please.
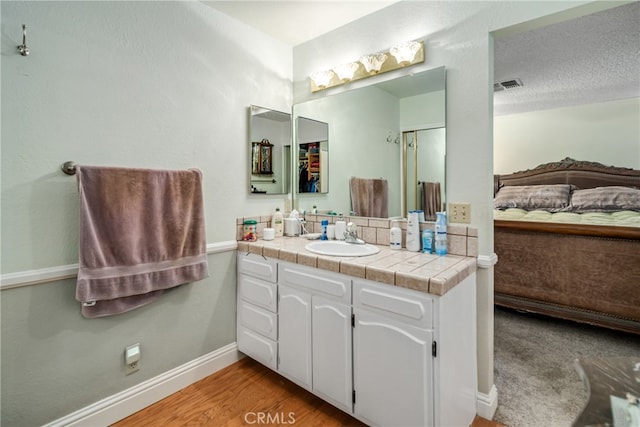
(132, 358)
(460, 212)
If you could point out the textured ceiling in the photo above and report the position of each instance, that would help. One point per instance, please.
(591, 59)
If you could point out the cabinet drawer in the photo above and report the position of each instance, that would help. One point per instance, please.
(258, 320)
(258, 266)
(258, 292)
(315, 280)
(406, 305)
(258, 347)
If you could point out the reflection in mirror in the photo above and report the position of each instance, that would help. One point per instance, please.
(424, 174)
(368, 126)
(313, 155)
(270, 148)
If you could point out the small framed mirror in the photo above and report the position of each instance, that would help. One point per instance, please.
(270, 151)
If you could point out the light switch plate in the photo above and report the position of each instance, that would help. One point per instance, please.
(460, 212)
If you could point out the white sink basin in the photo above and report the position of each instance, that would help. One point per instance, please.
(339, 248)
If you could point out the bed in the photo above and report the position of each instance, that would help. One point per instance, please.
(567, 236)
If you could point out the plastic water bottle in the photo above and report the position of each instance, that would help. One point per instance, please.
(441, 233)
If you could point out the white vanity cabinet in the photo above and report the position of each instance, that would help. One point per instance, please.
(314, 331)
(393, 355)
(414, 355)
(388, 355)
(257, 318)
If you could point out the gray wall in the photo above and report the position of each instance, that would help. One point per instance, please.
(132, 84)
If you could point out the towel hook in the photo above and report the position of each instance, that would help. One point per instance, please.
(23, 49)
(69, 168)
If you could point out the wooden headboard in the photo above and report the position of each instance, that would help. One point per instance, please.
(582, 174)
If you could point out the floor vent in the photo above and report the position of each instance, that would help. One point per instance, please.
(507, 84)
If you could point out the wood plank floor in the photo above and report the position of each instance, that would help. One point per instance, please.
(245, 393)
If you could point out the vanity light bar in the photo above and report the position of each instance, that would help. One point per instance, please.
(398, 56)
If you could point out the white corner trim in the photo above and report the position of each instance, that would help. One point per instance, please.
(53, 274)
(487, 261)
(216, 248)
(488, 403)
(120, 405)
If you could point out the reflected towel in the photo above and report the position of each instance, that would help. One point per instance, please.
(369, 197)
(431, 201)
(141, 232)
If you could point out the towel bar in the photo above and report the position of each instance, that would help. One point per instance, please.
(69, 168)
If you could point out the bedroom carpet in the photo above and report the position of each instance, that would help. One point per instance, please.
(534, 366)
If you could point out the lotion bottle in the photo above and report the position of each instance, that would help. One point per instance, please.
(341, 227)
(395, 236)
(277, 223)
(413, 232)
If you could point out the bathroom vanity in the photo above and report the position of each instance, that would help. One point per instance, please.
(384, 353)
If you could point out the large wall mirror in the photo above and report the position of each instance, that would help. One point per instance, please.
(393, 130)
(270, 151)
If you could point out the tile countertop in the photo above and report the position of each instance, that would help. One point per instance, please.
(413, 270)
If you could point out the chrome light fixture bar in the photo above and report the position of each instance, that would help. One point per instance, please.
(398, 56)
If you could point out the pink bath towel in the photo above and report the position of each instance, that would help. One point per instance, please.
(141, 233)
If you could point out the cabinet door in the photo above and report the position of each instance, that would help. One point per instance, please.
(393, 371)
(332, 351)
(294, 335)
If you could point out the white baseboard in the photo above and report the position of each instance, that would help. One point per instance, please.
(118, 406)
(488, 403)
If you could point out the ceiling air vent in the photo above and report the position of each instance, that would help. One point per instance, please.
(507, 84)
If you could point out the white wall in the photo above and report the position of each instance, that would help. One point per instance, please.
(606, 132)
(423, 111)
(133, 84)
(456, 35)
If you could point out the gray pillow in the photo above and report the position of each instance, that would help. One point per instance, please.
(605, 199)
(550, 198)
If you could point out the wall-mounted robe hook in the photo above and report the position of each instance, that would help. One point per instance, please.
(23, 49)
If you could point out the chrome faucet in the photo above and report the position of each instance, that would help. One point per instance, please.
(351, 235)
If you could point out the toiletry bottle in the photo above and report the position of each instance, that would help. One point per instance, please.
(277, 222)
(314, 210)
(413, 232)
(427, 241)
(441, 233)
(395, 236)
(325, 224)
(341, 227)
